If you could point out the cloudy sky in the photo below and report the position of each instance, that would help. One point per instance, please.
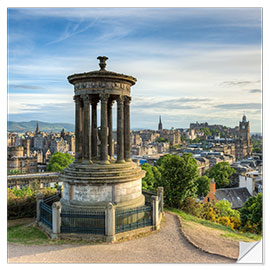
(191, 64)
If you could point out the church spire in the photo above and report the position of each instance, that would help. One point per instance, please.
(37, 128)
(160, 124)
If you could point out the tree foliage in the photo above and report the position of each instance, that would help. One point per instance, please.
(162, 139)
(152, 177)
(203, 186)
(251, 214)
(59, 161)
(191, 206)
(221, 173)
(196, 140)
(22, 202)
(206, 131)
(225, 209)
(178, 177)
(183, 138)
(14, 172)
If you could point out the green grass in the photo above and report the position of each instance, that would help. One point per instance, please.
(32, 235)
(228, 232)
(26, 235)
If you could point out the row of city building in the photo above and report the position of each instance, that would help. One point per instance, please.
(30, 152)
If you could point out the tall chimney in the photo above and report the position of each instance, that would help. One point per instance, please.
(212, 186)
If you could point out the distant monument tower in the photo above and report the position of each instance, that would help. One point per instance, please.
(37, 129)
(95, 178)
(243, 147)
(160, 124)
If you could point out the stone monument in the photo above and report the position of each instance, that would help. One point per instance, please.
(95, 178)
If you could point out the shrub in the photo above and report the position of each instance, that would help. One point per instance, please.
(191, 206)
(236, 222)
(22, 203)
(225, 221)
(209, 212)
(251, 214)
(225, 209)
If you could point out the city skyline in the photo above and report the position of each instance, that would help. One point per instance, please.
(191, 64)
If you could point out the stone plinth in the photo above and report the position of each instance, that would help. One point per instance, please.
(93, 186)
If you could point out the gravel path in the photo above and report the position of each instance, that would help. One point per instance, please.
(166, 246)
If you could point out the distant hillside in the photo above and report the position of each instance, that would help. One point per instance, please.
(21, 127)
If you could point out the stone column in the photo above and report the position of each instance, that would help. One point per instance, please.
(86, 130)
(127, 128)
(160, 193)
(56, 219)
(81, 130)
(78, 154)
(155, 217)
(104, 129)
(120, 129)
(94, 129)
(110, 223)
(110, 125)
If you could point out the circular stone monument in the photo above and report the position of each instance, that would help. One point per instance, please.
(95, 178)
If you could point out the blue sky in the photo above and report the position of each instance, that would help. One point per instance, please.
(191, 64)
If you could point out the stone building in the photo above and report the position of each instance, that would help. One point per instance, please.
(38, 139)
(59, 145)
(11, 139)
(226, 149)
(236, 196)
(173, 136)
(203, 164)
(18, 161)
(243, 145)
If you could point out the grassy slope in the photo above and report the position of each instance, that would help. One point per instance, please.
(32, 235)
(228, 232)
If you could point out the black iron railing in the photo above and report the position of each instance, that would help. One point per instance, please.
(147, 195)
(133, 218)
(46, 214)
(83, 222)
(46, 209)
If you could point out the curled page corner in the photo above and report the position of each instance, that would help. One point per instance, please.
(250, 252)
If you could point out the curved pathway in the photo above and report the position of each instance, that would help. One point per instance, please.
(165, 246)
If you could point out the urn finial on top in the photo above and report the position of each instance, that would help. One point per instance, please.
(102, 62)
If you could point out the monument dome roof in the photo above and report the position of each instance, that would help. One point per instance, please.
(101, 74)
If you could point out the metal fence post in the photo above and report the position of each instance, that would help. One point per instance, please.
(56, 218)
(38, 201)
(110, 223)
(154, 201)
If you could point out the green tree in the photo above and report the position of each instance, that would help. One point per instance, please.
(183, 138)
(206, 131)
(196, 140)
(251, 214)
(14, 172)
(178, 178)
(162, 139)
(221, 173)
(59, 161)
(152, 177)
(203, 186)
(225, 209)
